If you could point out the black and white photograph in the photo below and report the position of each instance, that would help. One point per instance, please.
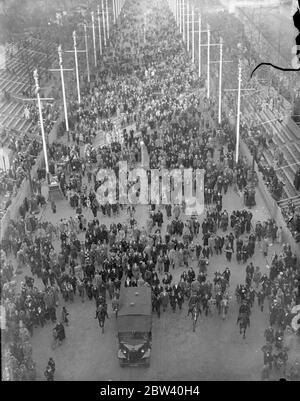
(150, 193)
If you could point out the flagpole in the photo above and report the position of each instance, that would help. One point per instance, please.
(193, 36)
(94, 37)
(63, 87)
(180, 16)
(107, 19)
(199, 50)
(37, 87)
(99, 29)
(208, 60)
(114, 10)
(86, 53)
(183, 20)
(220, 81)
(188, 26)
(76, 67)
(238, 114)
(103, 17)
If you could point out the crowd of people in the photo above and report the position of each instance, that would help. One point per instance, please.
(24, 151)
(256, 135)
(87, 260)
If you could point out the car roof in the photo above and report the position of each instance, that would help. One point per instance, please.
(135, 301)
(135, 310)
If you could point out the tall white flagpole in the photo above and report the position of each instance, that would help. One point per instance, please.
(183, 19)
(37, 88)
(208, 60)
(94, 38)
(220, 81)
(238, 114)
(193, 36)
(63, 86)
(188, 25)
(76, 66)
(99, 29)
(107, 19)
(87, 53)
(103, 17)
(114, 10)
(199, 50)
(180, 16)
(174, 10)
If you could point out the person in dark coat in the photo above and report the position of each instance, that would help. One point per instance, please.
(49, 374)
(64, 316)
(60, 330)
(172, 299)
(228, 252)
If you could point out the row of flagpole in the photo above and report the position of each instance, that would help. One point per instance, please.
(183, 21)
(182, 14)
(117, 7)
(178, 9)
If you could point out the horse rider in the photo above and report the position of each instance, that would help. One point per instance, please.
(115, 303)
(101, 301)
(219, 298)
(194, 301)
(227, 274)
(244, 312)
(244, 308)
(101, 311)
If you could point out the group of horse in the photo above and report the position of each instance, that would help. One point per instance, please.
(101, 312)
(198, 302)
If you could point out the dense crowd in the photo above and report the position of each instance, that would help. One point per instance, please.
(256, 135)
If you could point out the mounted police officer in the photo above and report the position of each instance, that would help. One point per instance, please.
(50, 369)
(244, 308)
(194, 301)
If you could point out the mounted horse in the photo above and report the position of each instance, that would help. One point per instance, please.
(224, 307)
(156, 303)
(244, 321)
(195, 314)
(101, 314)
